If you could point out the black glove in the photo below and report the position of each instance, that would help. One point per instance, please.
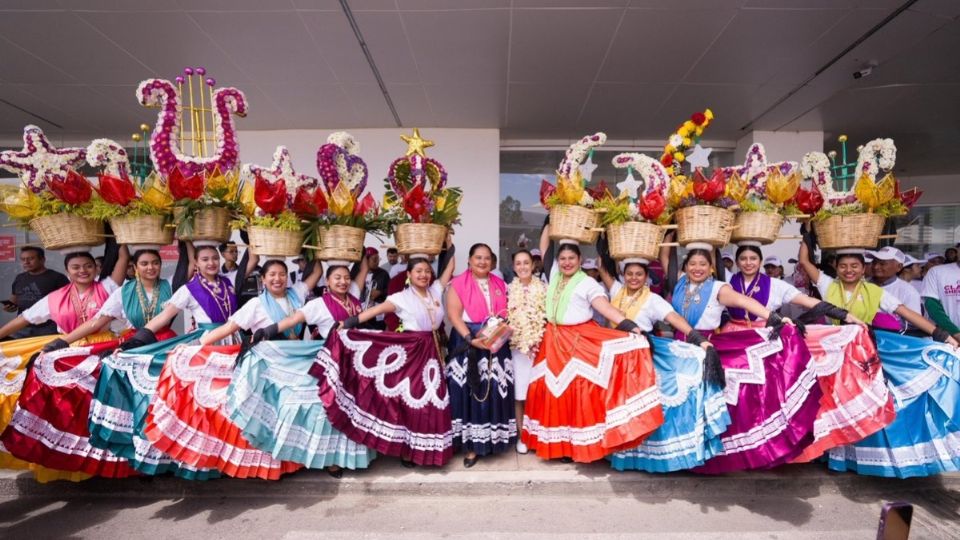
(775, 323)
(713, 369)
(351, 322)
(268, 333)
(941, 335)
(695, 338)
(627, 325)
(55, 345)
(141, 338)
(834, 312)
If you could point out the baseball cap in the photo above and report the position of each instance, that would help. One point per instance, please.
(772, 260)
(931, 255)
(909, 259)
(589, 264)
(536, 253)
(888, 253)
(726, 254)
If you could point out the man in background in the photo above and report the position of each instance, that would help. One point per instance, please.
(728, 262)
(887, 263)
(230, 255)
(773, 267)
(375, 289)
(34, 283)
(393, 257)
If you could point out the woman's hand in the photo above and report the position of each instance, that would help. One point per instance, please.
(479, 344)
(787, 320)
(852, 319)
(706, 345)
(952, 341)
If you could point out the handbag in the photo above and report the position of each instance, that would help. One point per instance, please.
(495, 333)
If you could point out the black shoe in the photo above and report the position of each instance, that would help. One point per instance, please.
(566, 459)
(336, 473)
(407, 464)
(470, 462)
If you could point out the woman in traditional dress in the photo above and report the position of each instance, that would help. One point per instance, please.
(526, 303)
(386, 390)
(855, 400)
(188, 419)
(924, 437)
(480, 382)
(689, 377)
(771, 387)
(69, 307)
(128, 380)
(273, 397)
(592, 389)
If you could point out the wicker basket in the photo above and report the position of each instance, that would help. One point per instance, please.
(707, 224)
(763, 227)
(574, 223)
(635, 239)
(267, 242)
(150, 230)
(61, 231)
(426, 238)
(851, 231)
(342, 243)
(210, 224)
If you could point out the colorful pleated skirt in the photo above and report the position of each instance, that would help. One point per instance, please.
(386, 391)
(273, 399)
(592, 392)
(694, 410)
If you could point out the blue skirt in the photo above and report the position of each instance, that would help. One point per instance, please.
(695, 414)
(121, 402)
(274, 400)
(924, 438)
(484, 419)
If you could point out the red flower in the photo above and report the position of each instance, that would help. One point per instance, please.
(320, 200)
(698, 118)
(652, 205)
(185, 188)
(808, 201)
(118, 191)
(667, 160)
(270, 197)
(546, 190)
(365, 205)
(600, 192)
(415, 203)
(304, 204)
(74, 189)
(908, 197)
(709, 190)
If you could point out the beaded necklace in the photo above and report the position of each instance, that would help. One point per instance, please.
(220, 295)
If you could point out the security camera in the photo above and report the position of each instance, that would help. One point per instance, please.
(859, 74)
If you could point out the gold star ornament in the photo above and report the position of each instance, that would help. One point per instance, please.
(416, 144)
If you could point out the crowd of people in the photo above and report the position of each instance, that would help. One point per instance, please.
(715, 363)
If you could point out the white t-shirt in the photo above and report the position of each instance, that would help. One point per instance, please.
(40, 312)
(316, 312)
(943, 283)
(904, 292)
(113, 307)
(781, 293)
(252, 316)
(710, 320)
(411, 310)
(888, 302)
(397, 269)
(655, 309)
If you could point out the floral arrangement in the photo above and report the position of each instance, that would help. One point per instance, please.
(344, 177)
(276, 197)
(571, 187)
(685, 137)
(121, 194)
(761, 186)
(416, 188)
(526, 307)
(700, 190)
(632, 203)
(868, 194)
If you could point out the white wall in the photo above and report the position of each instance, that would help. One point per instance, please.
(470, 156)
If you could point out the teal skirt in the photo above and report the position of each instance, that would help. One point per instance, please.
(274, 400)
(121, 403)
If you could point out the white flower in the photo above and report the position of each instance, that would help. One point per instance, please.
(578, 152)
(344, 140)
(875, 156)
(526, 307)
(586, 199)
(676, 140)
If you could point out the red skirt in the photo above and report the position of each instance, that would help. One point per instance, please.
(49, 426)
(593, 391)
(187, 419)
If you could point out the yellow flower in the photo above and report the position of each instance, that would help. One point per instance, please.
(20, 203)
(699, 130)
(669, 149)
(680, 187)
(570, 190)
(679, 157)
(709, 114)
(780, 188)
(341, 200)
(736, 187)
(683, 131)
(247, 199)
(689, 125)
(687, 141)
(156, 193)
(875, 194)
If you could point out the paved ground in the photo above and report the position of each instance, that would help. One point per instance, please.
(506, 497)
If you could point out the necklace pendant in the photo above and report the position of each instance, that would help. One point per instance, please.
(697, 299)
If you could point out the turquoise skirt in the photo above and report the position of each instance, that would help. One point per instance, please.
(275, 402)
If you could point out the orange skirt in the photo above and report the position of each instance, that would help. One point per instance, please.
(593, 391)
(187, 418)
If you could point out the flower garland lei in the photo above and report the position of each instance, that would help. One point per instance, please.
(527, 313)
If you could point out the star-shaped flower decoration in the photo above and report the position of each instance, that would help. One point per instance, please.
(629, 187)
(699, 157)
(587, 168)
(39, 159)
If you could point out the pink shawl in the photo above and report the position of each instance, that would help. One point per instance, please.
(65, 314)
(473, 300)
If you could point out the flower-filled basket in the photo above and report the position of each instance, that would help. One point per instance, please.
(418, 200)
(636, 220)
(273, 227)
(854, 219)
(53, 200)
(764, 192)
(570, 203)
(705, 211)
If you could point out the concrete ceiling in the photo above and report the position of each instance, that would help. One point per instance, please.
(536, 69)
